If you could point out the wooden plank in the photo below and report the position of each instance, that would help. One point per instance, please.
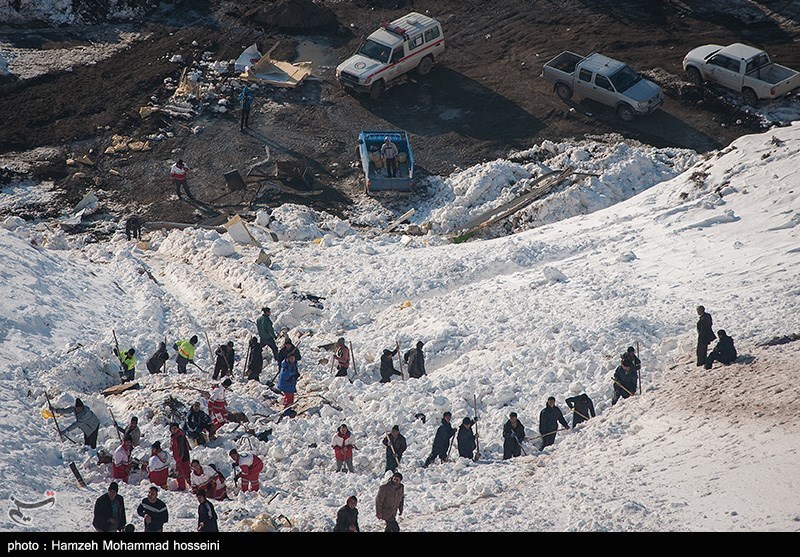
(118, 389)
(397, 222)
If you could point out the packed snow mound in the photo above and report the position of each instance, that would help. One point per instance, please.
(292, 222)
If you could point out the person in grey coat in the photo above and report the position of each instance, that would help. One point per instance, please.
(85, 420)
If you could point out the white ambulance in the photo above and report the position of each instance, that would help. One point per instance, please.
(413, 41)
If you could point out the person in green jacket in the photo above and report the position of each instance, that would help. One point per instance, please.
(128, 362)
(185, 350)
(266, 332)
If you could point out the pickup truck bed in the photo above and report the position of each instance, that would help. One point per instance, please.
(772, 74)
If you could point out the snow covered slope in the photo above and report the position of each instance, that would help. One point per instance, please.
(511, 320)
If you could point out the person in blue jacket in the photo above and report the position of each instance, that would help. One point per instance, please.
(287, 380)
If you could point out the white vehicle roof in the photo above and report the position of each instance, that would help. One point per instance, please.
(741, 51)
(410, 23)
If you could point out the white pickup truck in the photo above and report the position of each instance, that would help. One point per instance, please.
(742, 68)
(412, 42)
(605, 80)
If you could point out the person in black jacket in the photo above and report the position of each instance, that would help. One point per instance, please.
(288, 348)
(631, 353)
(206, 515)
(395, 445)
(256, 362)
(705, 334)
(156, 362)
(199, 425)
(154, 511)
(723, 352)
(581, 405)
(387, 365)
(441, 442)
(415, 358)
(347, 517)
(224, 364)
(513, 436)
(466, 439)
(625, 380)
(549, 418)
(109, 511)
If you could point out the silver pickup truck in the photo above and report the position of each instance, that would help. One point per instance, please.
(605, 80)
(742, 68)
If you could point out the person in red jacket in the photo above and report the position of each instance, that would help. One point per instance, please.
(343, 446)
(208, 478)
(178, 174)
(158, 466)
(218, 405)
(180, 452)
(250, 467)
(121, 463)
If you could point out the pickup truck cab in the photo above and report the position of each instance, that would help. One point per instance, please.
(605, 80)
(412, 42)
(741, 68)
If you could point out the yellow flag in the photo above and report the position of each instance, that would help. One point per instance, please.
(46, 414)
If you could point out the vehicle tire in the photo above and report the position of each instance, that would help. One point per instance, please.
(749, 96)
(376, 90)
(563, 91)
(694, 76)
(625, 112)
(425, 65)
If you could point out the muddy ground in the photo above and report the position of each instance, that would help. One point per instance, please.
(484, 98)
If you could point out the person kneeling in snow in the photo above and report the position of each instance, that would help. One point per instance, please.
(250, 467)
(198, 425)
(723, 352)
(208, 479)
(121, 463)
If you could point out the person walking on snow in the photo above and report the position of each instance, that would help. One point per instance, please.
(266, 332)
(635, 361)
(466, 439)
(181, 454)
(256, 362)
(387, 365)
(549, 418)
(246, 98)
(154, 511)
(441, 441)
(127, 362)
(395, 447)
(156, 362)
(85, 420)
(581, 405)
(206, 515)
(250, 466)
(723, 352)
(705, 334)
(415, 359)
(287, 380)
(178, 174)
(389, 502)
(121, 462)
(513, 436)
(625, 380)
(224, 364)
(185, 350)
(347, 517)
(109, 511)
(343, 445)
(341, 355)
(209, 479)
(218, 404)
(158, 466)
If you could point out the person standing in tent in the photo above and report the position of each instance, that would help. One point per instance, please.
(218, 404)
(625, 380)
(549, 418)
(441, 441)
(343, 445)
(224, 364)
(127, 362)
(389, 502)
(705, 334)
(178, 174)
(121, 463)
(395, 447)
(466, 439)
(181, 454)
(513, 436)
(185, 350)
(266, 332)
(256, 361)
(158, 465)
(156, 362)
(250, 467)
(581, 405)
(85, 420)
(415, 359)
(387, 365)
(341, 355)
(246, 98)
